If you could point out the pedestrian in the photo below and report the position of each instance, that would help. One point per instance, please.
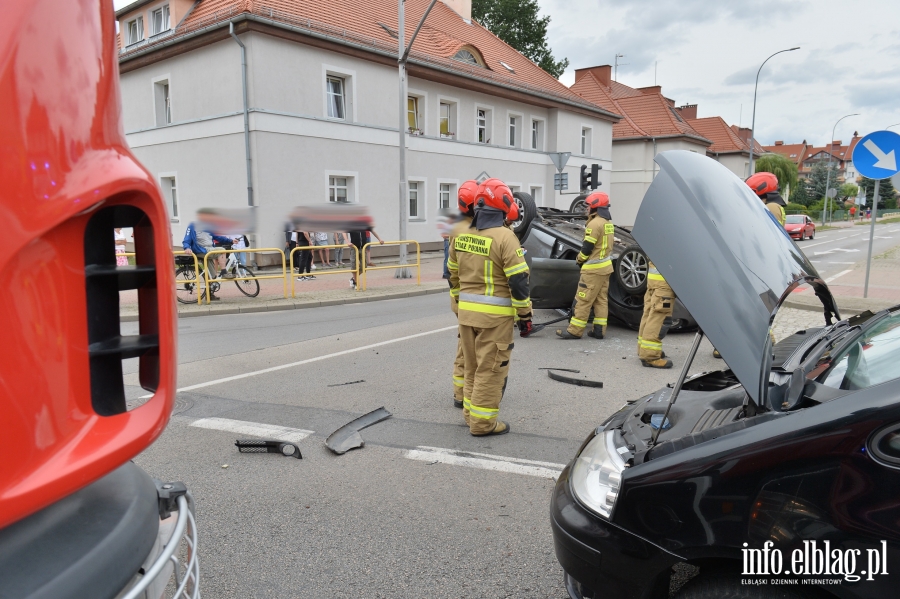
(240, 243)
(868, 214)
(339, 239)
(852, 213)
(488, 266)
(306, 257)
(369, 235)
(466, 202)
(596, 267)
(324, 254)
(119, 243)
(659, 301)
(359, 239)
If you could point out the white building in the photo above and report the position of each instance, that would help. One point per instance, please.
(323, 106)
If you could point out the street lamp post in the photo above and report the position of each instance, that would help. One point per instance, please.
(753, 122)
(828, 172)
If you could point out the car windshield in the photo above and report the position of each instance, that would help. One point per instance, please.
(794, 219)
(870, 360)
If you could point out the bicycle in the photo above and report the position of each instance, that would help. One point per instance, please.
(186, 288)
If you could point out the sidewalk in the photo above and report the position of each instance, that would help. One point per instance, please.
(325, 290)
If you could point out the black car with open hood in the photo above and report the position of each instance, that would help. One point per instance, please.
(776, 477)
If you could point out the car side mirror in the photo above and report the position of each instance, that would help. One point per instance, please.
(795, 389)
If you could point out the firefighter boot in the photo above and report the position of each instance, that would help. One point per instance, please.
(596, 332)
(657, 363)
(565, 334)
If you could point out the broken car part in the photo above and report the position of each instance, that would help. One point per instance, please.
(268, 446)
(572, 380)
(347, 437)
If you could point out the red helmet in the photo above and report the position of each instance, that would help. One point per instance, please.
(762, 183)
(466, 195)
(597, 199)
(494, 193)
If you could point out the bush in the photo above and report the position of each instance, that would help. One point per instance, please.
(795, 209)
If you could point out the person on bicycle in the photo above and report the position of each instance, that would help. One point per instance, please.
(200, 242)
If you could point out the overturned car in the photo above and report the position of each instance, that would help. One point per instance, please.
(783, 469)
(552, 239)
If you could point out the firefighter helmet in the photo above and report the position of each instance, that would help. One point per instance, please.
(597, 199)
(466, 196)
(762, 183)
(494, 193)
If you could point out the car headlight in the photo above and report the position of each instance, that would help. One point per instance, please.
(597, 474)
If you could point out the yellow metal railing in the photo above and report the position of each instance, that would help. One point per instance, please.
(324, 272)
(196, 280)
(418, 263)
(282, 276)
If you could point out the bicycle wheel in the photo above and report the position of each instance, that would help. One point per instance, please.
(186, 289)
(249, 287)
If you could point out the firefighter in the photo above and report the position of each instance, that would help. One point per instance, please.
(596, 267)
(488, 267)
(466, 202)
(659, 301)
(765, 185)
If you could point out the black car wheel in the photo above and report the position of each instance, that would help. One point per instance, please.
(632, 269)
(578, 206)
(527, 212)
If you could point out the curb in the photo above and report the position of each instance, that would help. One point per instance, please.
(848, 306)
(292, 305)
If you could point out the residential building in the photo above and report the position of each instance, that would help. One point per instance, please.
(806, 157)
(650, 125)
(323, 103)
(730, 143)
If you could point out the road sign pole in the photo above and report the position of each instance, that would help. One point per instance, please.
(871, 235)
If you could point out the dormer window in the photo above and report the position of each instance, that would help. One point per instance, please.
(469, 55)
(159, 20)
(135, 29)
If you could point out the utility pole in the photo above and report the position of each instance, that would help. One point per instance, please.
(402, 56)
(828, 172)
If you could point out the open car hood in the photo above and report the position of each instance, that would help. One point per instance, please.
(726, 257)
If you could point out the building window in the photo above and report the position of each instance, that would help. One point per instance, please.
(469, 55)
(445, 191)
(334, 90)
(512, 131)
(483, 126)
(170, 193)
(337, 190)
(586, 141)
(135, 31)
(412, 112)
(159, 20)
(162, 102)
(537, 193)
(537, 135)
(415, 206)
(447, 119)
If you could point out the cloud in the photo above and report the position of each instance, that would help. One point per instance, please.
(881, 94)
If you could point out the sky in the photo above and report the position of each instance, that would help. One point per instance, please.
(707, 52)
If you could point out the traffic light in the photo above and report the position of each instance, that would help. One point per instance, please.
(590, 180)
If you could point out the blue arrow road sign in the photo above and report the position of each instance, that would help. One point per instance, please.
(876, 155)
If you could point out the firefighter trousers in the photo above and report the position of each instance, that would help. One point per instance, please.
(486, 352)
(593, 292)
(659, 301)
(459, 363)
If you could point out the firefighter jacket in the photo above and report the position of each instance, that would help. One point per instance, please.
(488, 268)
(777, 211)
(654, 278)
(460, 227)
(598, 242)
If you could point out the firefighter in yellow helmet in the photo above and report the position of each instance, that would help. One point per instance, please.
(596, 267)
(488, 267)
(659, 301)
(466, 202)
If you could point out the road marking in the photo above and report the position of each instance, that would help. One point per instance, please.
(840, 274)
(485, 461)
(809, 245)
(237, 377)
(254, 429)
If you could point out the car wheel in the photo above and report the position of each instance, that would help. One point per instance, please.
(578, 206)
(527, 212)
(812, 234)
(714, 586)
(631, 270)
(802, 236)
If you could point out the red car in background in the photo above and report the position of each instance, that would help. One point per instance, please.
(799, 226)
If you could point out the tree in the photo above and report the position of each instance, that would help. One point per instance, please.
(885, 191)
(518, 24)
(818, 176)
(781, 167)
(848, 191)
(799, 194)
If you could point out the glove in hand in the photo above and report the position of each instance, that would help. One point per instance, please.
(525, 327)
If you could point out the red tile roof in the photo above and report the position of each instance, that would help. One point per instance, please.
(645, 114)
(724, 138)
(793, 152)
(359, 24)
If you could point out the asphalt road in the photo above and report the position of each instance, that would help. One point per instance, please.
(403, 516)
(834, 252)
